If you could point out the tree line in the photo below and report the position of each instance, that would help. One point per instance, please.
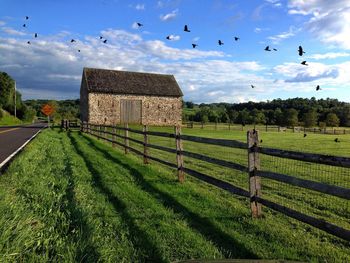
(290, 112)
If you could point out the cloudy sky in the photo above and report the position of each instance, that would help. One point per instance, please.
(51, 66)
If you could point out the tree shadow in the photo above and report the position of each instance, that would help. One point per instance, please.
(228, 246)
(148, 250)
(88, 252)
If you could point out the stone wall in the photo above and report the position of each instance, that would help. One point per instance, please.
(105, 109)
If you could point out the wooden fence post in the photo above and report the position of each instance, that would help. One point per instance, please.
(179, 156)
(202, 125)
(253, 167)
(126, 135)
(99, 132)
(105, 132)
(145, 143)
(216, 125)
(114, 138)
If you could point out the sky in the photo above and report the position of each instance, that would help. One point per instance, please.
(50, 67)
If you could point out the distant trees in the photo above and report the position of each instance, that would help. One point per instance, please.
(290, 112)
(332, 120)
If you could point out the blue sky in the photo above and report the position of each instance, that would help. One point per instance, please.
(51, 66)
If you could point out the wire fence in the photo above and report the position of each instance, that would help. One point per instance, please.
(311, 188)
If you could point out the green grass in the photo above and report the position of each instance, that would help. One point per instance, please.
(69, 197)
(8, 120)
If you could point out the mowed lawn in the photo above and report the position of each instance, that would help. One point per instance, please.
(69, 197)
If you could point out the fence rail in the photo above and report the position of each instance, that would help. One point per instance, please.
(254, 173)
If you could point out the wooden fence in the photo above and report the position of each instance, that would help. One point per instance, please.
(254, 173)
(273, 128)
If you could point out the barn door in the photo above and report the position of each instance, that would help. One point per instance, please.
(130, 111)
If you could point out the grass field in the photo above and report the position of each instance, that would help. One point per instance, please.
(8, 119)
(69, 197)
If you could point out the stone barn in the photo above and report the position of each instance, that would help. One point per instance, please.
(116, 97)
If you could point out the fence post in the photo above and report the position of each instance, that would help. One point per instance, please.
(145, 143)
(179, 156)
(126, 141)
(105, 130)
(202, 125)
(216, 125)
(113, 136)
(253, 167)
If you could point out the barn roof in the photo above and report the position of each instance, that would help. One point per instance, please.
(133, 83)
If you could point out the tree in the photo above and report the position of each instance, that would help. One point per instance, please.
(332, 120)
(243, 117)
(310, 118)
(291, 117)
(7, 89)
(279, 120)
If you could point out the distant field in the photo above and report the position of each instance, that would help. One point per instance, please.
(72, 198)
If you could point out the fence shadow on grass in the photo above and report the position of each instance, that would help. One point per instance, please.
(227, 245)
(88, 252)
(139, 238)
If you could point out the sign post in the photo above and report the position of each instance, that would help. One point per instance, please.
(47, 110)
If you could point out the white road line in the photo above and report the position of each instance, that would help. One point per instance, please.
(18, 150)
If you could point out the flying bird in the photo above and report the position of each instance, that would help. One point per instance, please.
(101, 37)
(139, 24)
(194, 45)
(275, 49)
(305, 135)
(267, 48)
(336, 140)
(318, 88)
(73, 40)
(36, 35)
(252, 86)
(27, 17)
(304, 63)
(28, 42)
(301, 51)
(168, 37)
(24, 25)
(78, 50)
(186, 29)
(105, 41)
(220, 42)
(236, 38)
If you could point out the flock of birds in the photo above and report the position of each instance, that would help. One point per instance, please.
(301, 51)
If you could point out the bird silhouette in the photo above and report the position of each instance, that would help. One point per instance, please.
(336, 140)
(252, 86)
(301, 51)
(78, 50)
(168, 37)
(267, 48)
(304, 63)
(36, 35)
(220, 42)
(305, 135)
(318, 87)
(275, 49)
(28, 42)
(105, 41)
(73, 40)
(186, 29)
(236, 38)
(27, 17)
(24, 25)
(101, 37)
(194, 45)
(139, 24)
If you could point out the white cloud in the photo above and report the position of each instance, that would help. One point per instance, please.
(328, 20)
(169, 16)
(330, 55)
(174, 37)
(11, 31)
(2, 23)
(140, 7)
(276, 39)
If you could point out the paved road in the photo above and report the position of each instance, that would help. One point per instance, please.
(11, 138)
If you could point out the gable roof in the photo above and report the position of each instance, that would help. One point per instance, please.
(132, 83)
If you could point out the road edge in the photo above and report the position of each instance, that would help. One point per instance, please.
(7, 161)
